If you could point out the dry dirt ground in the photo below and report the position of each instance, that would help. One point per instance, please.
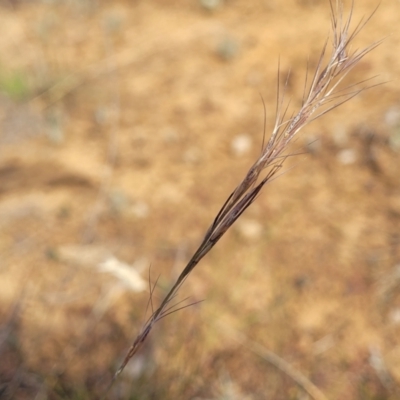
(124, 125)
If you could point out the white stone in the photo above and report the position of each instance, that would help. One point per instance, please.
(250, 229)
(241, 145)
(347, 156)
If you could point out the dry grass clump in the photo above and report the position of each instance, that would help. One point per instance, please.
(322, 94)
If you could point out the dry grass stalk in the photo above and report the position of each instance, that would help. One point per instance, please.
(320, 96)
(301, 380)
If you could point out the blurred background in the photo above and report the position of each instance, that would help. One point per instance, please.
(124, 126)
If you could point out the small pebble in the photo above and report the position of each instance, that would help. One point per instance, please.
(192, 156)
(347, 156)
(117, 201)
(241, 145)
(227, 49)
(170, 135)
(392, 116)
(250, 229)
(140, 209)
(210, 5)
(394, 316)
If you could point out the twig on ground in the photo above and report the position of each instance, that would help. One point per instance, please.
(278, 362)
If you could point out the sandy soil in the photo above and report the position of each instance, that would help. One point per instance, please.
(123, 128)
